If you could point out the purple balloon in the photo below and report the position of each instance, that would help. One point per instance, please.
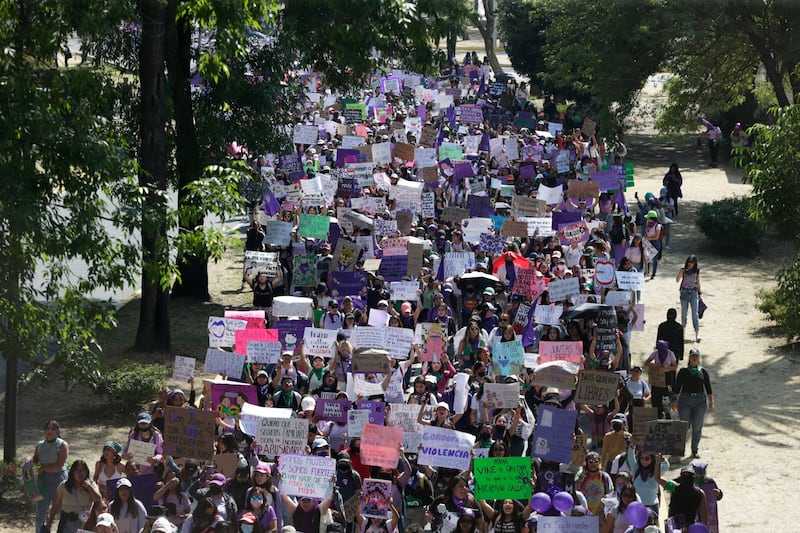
(563, 502)
(540, 502)
(636, 513)
(697, 528)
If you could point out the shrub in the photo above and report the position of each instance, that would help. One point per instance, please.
(782, 304)
(131, 385)
(728, 224)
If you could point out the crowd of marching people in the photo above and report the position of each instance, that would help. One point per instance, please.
(513, 226)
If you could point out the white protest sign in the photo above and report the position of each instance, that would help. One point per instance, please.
(221, 331)
(398, 342)
(304, 134)
(307, 476)
(549, 195)
(633, 281)
(183, 369)
(446, 448)
(368, 337)
(548, 314)
(501, 395)
(353, 141)
(404, 415)
(456, 263)
(473, 228)
(250, 416)
(403, 290)
(292, 306)
(317, 341)
(141, 451)
(361, 386)
(615, 298)
(263, 352)
(378, 317)
(225, 363)
(356, 418)
(561, 290)
(568, 524)
(424, 157)
(382, 153)
(278, 233)
(277, 436)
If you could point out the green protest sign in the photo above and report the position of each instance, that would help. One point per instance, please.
(498, 478)
(314, 226)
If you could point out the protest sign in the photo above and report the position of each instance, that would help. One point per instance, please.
(446, 448)
(531, 207)
(317, 341)
(292, 306)
(573, 232)
(226, 463)
(385, 227)
(304, 270)
(528, 283)
(656, 376)
(264, 352)
(606, 179)
(253, 317)
(255, 262)
(250, 415)
(549, 195)
(632, 281)
(618, 298)
(335, 410)
(403, 151)
(380, 445)
(508, 356)
(641, 416)
(226, 396)
(514, 228)
(479, 206)
(548, 314)
(377, 318)
(559, 374)
(141, 451)
(313, 226)
(306, 476)
(224, 363)
(541, 226)
(278, 233)
(456, 263)
(356, 418)
(183, 369)
(404, 290)
(455, 214)
(666, 436)
(606, 328)
(492, 244)
(473, 227)
(604, 273)
(596, 387)
(370, 360)
(583, 189)
(404, 415)
(561, 290)
(277, 436)
(471, 114)
(568, 524)
(711, 506)
(425, 157)
(501, 395)
(451, 151)
(243, 336)
(346, 255)
(305, 134)
(189, 432)
(398, 342)
(432, 341)
(579, 451)
(290, 331)
(570, 351)
(553, 435)
(563, 217)
(498, 478)
(221, 331)
(375, 497)
(368, 336)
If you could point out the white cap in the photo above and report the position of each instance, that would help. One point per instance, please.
(162, 525)
(308, 404)
(105, 519)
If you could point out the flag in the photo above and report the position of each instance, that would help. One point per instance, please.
(529, 331)
(451, 116)
(620, 200)
(270, 203)
(440, 136)
(482, 86)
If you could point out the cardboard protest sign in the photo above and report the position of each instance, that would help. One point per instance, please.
(375, 496)
(596, 387)
(571, 351)
(346, 255)
(559, 374)
(183, 369)
(403, 151)
(666, 436)
(579, 450)
(141, 451)
(583, 189)
(253, 317)
(370, 360)
(226, 463)
(306, 476)
(317, 341)
(224, 363)
(264, 352)
(243, 336)
(514, 228)
(445, 447)
(531, 207)
(548, 314)
(304, 270)
(641, 416)
(561, 290)
(455, 214)
(568, 524)
(380, 445)
(553, 435)
(508, 356)
(498, 478)
(189, 432)
(657, 377)
(501, 395)
(221, 331)
(589, 127)
(335, 410)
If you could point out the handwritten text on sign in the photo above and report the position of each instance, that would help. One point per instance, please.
(380, 445)
(307, 476)
(445, 447)
(571, 351)
(596, 387)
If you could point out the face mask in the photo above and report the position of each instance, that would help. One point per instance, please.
(385, 475)
(617, 427)
(343, 468)
(356, 449)
(483, 435)
(215, 489)
(246, 528)
(618, 487)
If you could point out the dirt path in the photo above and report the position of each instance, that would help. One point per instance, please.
(746, 441)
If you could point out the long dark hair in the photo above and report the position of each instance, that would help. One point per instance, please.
(53, 424)
(516, 514)
(116, 505)
(200, 520)
(629, 487)
(645, 472)
(691, 259)
(76, 464)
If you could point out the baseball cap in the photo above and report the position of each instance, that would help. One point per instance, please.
(124, 482)
(105, 519)
(190, 466)
(162, 525)
(263, 468)
(319, 443)
(217, 479)
(694, 351)
(144, 418)
(619, 417)
(248, 518)
(651, 214)
(488, 290)
(308, 404)
(443, 405)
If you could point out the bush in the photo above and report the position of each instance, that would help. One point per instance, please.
(728, 224)
(131, 385)
(782, 304)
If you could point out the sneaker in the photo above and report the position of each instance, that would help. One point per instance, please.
(695, 455)
(697, 338)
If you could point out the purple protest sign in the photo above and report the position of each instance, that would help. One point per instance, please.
(463, 170)
(394, 268)
(553, 436)
(377, 410)
(224, 397)
(335, 410)
(291, 331)
(347, 283)
(290, 163)
(143, 488)
(480, 206)
(607, 179)
(525, 119)
(346, 155)
(471, 114)
(527, 171)
(564, 217)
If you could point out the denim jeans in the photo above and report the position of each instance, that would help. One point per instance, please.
(48, 484)
(692, 409)
(657, 245)
(689, 298)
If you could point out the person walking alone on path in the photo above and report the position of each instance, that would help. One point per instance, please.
(689, 278)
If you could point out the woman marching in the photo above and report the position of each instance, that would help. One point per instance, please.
(689, 278)
(693, 396)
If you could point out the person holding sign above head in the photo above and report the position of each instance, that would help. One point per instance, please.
(662, 360)
(264, 289)
(144, 431)
(693, 397)
(307, 514)
(441, 415)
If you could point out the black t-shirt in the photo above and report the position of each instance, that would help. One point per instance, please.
(262, 296)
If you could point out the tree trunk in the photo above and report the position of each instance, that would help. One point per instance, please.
(487, 30)
(153, 333)
(193, 269)
(774, 75)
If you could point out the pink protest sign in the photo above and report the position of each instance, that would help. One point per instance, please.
(245, 335)
(570, 351)
(380, 445)
(254, 319)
